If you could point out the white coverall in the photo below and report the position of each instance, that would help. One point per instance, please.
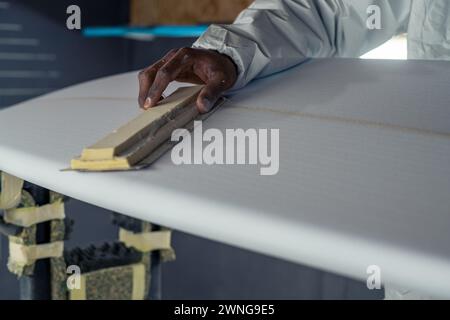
(272, 35)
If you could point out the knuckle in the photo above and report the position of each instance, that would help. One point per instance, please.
(186, 52)
(142, 74)
(164, 73)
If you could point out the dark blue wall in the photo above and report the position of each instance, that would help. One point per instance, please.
(203, 269)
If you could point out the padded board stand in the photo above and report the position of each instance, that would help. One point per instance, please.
(34, 221)
(144, 139)
(128, 261)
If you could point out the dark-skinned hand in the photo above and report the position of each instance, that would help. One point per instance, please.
(199, 66)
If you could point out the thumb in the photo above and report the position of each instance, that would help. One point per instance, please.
(208, 96)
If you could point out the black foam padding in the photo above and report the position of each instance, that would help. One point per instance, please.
(68, 223)
(107, 255)
(125, 222)
(8, 229)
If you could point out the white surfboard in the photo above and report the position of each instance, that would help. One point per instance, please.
(364, 166)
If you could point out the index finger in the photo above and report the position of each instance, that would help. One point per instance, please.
(167, 73)
(147, 77)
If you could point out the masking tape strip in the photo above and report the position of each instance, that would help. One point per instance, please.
(79, 293)
(146, 241)
(138, 282)
(27, 255)
(27, 217)
(11, 191)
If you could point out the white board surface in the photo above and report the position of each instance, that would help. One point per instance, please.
(364, 167)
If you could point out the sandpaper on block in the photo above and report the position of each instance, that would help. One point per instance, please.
(144, 139)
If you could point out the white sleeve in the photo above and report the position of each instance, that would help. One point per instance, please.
(272, 35)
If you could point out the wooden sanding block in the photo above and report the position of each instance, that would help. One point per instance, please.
(127, 146)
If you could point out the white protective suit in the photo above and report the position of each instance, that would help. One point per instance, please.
(272, 35)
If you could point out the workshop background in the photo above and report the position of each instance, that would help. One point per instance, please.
(38, 54)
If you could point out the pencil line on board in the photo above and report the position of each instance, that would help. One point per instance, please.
(361, 122)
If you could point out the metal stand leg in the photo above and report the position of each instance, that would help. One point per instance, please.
(156, 274)
(155, 257)
(37, 286)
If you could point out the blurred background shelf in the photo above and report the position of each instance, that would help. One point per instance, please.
(146, 33)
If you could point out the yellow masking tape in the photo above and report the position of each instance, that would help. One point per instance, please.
(11, 191)
(146, 241)
(27, 255)
(138, 282)
(27, 217)
(79, 293)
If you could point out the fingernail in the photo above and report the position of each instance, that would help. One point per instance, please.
(147, 103)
